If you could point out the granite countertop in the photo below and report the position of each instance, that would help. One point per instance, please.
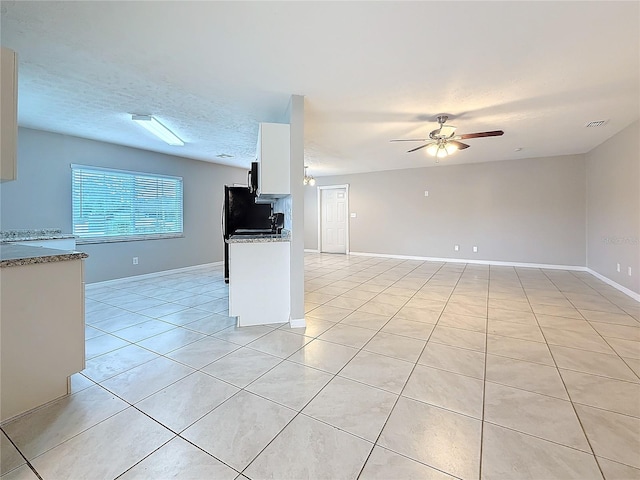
(17, 255)
(270, 238)
(37, 234)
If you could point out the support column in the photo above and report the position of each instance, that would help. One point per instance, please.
(296, 120)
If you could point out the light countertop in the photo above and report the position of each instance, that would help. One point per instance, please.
(36, 234)
(270, 238)
(12, 255)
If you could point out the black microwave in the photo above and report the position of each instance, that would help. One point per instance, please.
(253, 178)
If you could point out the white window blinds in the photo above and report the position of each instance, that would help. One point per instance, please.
(113, 205)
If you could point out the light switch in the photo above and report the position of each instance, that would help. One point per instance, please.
(353, 215)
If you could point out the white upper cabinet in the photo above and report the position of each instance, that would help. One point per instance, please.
(8, 114)
(273, 156)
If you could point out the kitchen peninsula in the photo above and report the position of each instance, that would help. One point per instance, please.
(259, 277)
(41, 324)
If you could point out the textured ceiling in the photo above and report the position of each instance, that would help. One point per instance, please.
(369, 71)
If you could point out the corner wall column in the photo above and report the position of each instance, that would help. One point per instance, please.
(296, 120)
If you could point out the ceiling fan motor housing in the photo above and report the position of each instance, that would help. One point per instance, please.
(444, 132)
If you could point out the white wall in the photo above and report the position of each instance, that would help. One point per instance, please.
(529, 211)
(296, 120)
(613, 208)
(41, 198)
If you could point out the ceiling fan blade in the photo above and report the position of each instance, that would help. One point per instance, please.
(410, 140)
(494, 133)
(460, 145)
(418, 148)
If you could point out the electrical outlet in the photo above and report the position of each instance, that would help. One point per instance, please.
(618, 267)
(629, 271)
(456, 248)
(426, 193)
(475, 249)
(135, 260)
(353, 215)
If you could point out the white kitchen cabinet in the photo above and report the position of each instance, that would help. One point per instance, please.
(273, 154)
(259, 274)
(8, 114)
(42, 325)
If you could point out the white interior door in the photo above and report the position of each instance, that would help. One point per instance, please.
(334, 220)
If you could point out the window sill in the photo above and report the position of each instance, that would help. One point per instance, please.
(128, 238)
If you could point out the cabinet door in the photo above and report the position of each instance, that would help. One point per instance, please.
(273, 156)
(8, 114)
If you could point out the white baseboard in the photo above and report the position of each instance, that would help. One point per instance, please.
(311, 250)
(617, 286)
(297, 323)
(157, 274)
(473, 261)
(575, 268)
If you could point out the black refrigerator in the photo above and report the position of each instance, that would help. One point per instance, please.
(241, 215)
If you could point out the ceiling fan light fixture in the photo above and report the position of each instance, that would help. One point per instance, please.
(442, 149)
(432, 149)
(308, 179)
(442, 152)
(159, 130)
(450, 148)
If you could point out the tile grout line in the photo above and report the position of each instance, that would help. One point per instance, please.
(597, 333)
(99, 384)
(602, 336)
(412, 370)
(584, 432)
(361, 349)
(484, 379)
(299, 412)
(601, 294)
(390, 267)
(26, 460)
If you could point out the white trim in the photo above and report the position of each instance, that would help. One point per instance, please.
(156, 274)
(126, 238)
(617, 286)
(312, 250)
(574, 268)
(297, 323)
(79, 166)
(319, 213)
(319, 202)
(475, 262)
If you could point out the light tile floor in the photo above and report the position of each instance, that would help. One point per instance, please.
(406, 369)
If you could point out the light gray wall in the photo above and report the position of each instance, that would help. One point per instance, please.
(613, 208)
(530, 211)
(41, 198)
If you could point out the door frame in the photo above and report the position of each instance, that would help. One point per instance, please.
(333, 187)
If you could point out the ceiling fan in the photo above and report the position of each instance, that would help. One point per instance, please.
(443, 141)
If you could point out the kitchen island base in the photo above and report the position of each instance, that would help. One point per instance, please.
(259, 279)
(41, 333)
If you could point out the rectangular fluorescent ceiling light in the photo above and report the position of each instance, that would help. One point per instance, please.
(158, 129)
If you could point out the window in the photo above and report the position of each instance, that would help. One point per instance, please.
(117, 205)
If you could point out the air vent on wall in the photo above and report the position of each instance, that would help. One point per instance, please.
(597, 123)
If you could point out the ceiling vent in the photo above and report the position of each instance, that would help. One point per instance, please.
(597, 123)
(224, 155)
